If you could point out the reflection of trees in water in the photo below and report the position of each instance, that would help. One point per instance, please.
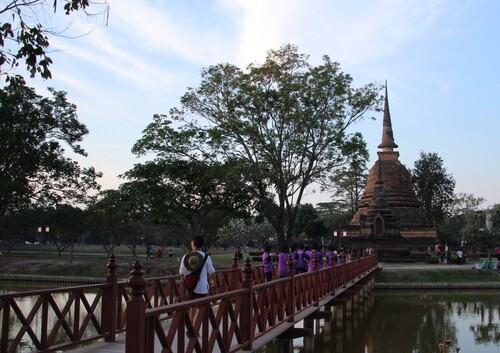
(485, 331)
(405, 322)
(401, 322)
(411, 325)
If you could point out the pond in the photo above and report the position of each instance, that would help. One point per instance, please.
(404, 322)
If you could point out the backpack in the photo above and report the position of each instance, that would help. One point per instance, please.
(191, 280)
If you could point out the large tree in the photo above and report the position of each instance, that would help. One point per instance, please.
(26, 27)
(283, 125)
(186, 193)
(434, 187)
(34, 168)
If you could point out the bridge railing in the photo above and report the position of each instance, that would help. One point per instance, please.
(63, 318)
(231, 320)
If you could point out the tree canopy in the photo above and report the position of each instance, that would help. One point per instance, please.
(187, 193)
(26, 28)
(350, 180)
(34, 168)
(434, 187)
(282, 126)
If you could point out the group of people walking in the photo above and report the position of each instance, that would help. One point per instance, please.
(303, 257)
(443, 253)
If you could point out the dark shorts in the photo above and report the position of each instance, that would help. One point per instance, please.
(192, 295)
(269, 276)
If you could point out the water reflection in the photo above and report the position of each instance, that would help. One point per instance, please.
(30, 308)
(401, 322)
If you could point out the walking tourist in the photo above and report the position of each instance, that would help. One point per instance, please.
(282, 260)
(267, 262)
(192, 261)
(300, 259)
(313, 252)
(460, 255)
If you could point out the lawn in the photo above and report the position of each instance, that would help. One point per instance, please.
(463, 274)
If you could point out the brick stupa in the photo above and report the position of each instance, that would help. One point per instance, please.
(389, 211)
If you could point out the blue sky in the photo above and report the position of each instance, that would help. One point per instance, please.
(439, 57)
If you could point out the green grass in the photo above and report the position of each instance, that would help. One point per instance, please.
(467, 275)
(90, 261)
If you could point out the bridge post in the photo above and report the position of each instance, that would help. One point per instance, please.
(247, 309)
(291, 289)
(309, 339)
(333, 278)
(110, 301)
(135, 340)
(316, 280)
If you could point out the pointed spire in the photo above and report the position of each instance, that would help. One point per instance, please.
(388, 143)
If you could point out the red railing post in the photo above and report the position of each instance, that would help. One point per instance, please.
(316, 280)
(291, 288)
(333, 277)
(247, 309)
(110, 301)
(135, 340)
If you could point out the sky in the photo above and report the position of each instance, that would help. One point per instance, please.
(440, 59)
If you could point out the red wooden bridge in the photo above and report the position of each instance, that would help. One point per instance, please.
(146, 315)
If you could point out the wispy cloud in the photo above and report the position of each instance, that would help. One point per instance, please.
(354, 32)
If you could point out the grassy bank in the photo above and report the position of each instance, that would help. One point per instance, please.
(90, 262)
(436, 274)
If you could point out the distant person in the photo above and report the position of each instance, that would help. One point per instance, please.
(239, 254)
(329, 255)
(158, 253)
(441, 256)
(170, 253)
(267, 262)
(314, 253)
(282, 260)
(149, 252)
(347, 253)
(460, 255)
(300, 259)
(292, 251)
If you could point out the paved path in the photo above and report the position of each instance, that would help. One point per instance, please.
(424, 266)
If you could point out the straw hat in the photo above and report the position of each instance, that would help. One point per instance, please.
(193, 260)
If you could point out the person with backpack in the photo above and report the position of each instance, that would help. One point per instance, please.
(192, 261)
